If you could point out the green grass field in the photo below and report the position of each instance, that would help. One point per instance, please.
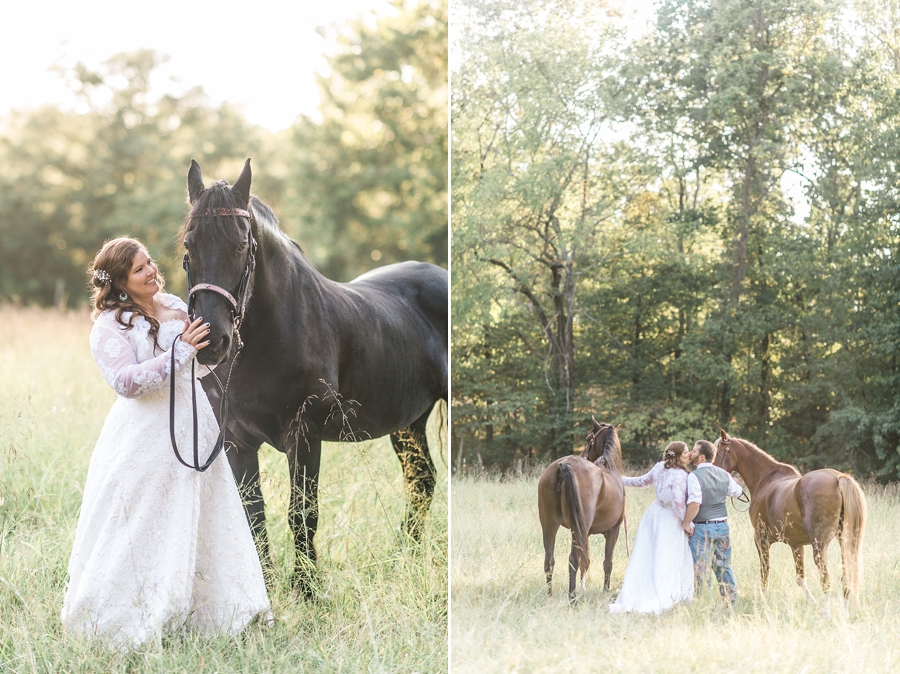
(382, 605)
(503, 621)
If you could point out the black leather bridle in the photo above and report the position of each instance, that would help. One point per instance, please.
(238, 307)
(743, 498)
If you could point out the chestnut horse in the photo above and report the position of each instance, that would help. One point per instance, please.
(585, 494)
(800, 510)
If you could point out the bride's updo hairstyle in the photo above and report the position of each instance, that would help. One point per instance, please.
(672, 453)
(109, 273)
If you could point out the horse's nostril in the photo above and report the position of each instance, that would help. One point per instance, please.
(220, 343)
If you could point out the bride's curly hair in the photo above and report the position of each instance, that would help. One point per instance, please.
(109, 273)
(672, 453)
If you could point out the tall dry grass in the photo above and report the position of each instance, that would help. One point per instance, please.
(382, 606)
(503, 621)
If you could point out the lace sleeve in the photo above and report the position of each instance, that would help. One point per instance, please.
(642, 481)
(679, 493)
(119, 364)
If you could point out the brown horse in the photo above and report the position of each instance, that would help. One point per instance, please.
(585, 494)
(800, 510)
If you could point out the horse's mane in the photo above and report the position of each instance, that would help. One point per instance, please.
(611, 451)
(266, 219)
(756, 448)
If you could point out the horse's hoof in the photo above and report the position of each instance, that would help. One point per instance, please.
(304, 586)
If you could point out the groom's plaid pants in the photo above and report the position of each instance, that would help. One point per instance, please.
(711, 545)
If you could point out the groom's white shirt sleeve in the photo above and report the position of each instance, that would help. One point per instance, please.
(694, 495)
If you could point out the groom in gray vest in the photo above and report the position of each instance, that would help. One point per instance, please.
(706, 519)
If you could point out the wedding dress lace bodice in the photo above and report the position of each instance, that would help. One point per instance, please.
(670, 484)
(129, 360)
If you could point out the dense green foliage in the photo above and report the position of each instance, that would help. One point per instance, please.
(690, 230)
(365, 185)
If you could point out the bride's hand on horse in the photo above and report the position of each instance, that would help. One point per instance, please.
(194, 332)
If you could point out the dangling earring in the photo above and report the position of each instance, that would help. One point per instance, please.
(122, 296)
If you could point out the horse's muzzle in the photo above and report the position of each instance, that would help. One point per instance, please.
(215, 352)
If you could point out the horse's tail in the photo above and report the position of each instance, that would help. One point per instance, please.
(567, 486)
(853, 524)
(441, 414)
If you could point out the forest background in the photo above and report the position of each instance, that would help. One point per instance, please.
(678, 230)
(361, 184)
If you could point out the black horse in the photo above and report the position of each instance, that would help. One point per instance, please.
(320, 360)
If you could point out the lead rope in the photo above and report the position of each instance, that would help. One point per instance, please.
(743, 498)
(223, 411)
(625, 520)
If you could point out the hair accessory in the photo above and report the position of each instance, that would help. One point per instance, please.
(123, 296)
(101, 277)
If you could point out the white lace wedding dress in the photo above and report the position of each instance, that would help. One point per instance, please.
(660, 572)
(158, 545)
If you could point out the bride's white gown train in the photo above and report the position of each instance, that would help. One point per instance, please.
(157, 545)
(660, 572)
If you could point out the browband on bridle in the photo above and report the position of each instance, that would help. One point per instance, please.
(240, 212)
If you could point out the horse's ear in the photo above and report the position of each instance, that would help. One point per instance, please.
(594, 423)
(241, 188)
(723, 434)
(194, 181)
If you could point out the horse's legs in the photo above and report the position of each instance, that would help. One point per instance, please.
(797, 551)
(573, 572)
(611, 537)
(244, 462)
(411, 447)
(819, 557)
(303, 512)
(549, 562)
(762, 547)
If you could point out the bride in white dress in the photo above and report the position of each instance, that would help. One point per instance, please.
(660, 572)
(158, 546)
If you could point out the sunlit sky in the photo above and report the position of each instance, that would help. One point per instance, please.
(261, 55)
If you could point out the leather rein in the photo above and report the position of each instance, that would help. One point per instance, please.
(238, 307)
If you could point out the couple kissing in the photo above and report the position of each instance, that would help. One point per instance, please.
(666, 564)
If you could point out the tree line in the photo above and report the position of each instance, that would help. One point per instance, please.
(690, 230)
(363, 186)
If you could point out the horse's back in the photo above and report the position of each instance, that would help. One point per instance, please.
(406, 298)
(589, 481)
(425, 284)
